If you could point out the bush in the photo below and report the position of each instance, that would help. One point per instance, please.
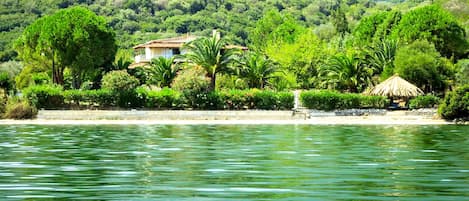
(44, 96)
(236, 99)
(427, 101)
(332, 100)
(193, 84)
(455, 105)
(256, 99)
(285, 100)
(119, 81)
(101, 97)
(191, 79)
(40, 78)
(19, 109)
(165, 98)
(373, 101)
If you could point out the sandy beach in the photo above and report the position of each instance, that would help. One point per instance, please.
(226, 117)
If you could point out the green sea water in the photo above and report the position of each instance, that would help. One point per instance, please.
(230, 162)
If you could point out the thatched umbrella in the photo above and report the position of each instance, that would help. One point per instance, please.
(395, 86)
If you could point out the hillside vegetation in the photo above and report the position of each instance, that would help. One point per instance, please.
(136, 21)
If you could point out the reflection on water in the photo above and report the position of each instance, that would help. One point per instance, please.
(295, 162)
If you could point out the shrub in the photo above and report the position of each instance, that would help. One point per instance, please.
(256, 99)
(285, 100)
(331, 100)
(164, 98)
(19, 109)
(427, 101)
(40, 78)
(236, 99)
(455, 105)
(44, 96)
(74, 96)
(102, 97)
(373, 101)
(119, 81)
(191, 79)
(266, 100)
(230, 82)
(193, 84)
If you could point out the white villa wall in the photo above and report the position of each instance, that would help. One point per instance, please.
(151, 53)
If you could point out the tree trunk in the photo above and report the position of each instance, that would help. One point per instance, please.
(213, 82)
(57, 73)
(76, 79)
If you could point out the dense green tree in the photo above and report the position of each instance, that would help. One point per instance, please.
(367, 27)
(274, 26)
(420, 64)
(347, 73)
(340, 22)
(384, 30)
(462, 74)
(436, 25)
(72, 38)
(301, 57)
(162, 71)
(257, 69)
(211, 55)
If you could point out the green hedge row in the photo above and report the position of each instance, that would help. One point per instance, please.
(52, 97)
(332, 100)
(427, 101)
(242, 99)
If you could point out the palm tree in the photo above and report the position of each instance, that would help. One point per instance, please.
(210, 54)
(257, 69)
(346, 73)
(162, 71)
(381, 57)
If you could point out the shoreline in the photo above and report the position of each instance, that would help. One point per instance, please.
(224, 117)
(312, 121)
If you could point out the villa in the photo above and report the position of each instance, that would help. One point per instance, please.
(166, 48)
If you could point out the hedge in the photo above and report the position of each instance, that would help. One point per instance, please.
(256, 99)
(332, 100)
(51, 97)
(163, 99)
(44, 96)
(427, 101)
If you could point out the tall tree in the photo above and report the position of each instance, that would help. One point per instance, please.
(211, 55)
(421, 64)
(340, 22)
(434, 24)
(73, 38)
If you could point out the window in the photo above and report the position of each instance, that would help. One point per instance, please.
(176, 51)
